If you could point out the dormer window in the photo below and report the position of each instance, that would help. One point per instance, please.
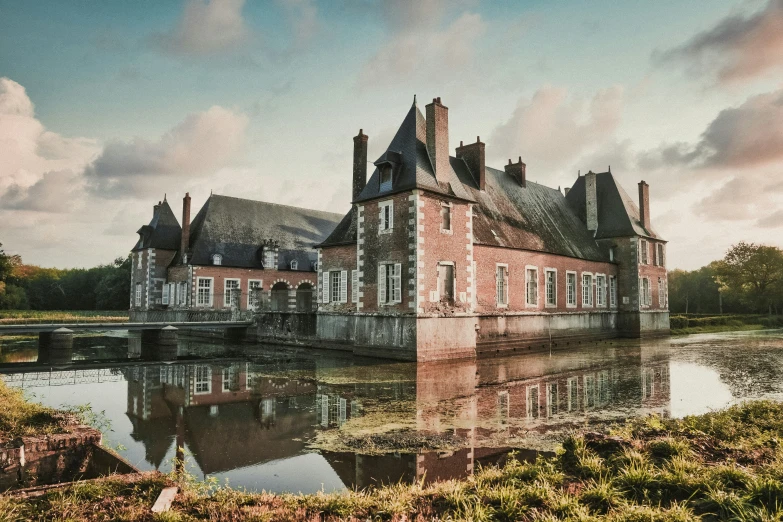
(294, 265)
(386, 177)
(217, 259)
(269, 258)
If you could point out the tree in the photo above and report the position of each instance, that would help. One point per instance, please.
(755, 274)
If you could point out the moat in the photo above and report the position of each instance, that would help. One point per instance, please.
(280, 419)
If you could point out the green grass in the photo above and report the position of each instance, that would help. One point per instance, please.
(19, 418)
(682, 324)
(61, 316)
(726, 465)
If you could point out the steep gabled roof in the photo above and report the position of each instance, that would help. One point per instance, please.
(618, 214)
(236, 229)
(412, 166)
(163, 230)
(345, 232)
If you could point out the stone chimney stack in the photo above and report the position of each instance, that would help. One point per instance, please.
(591, 201)
(438, 139)
(644, 204)
(517, 170)
(359, 163)
(473, 155)
(185, 242)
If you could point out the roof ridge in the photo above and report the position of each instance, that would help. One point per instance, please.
(275, 204)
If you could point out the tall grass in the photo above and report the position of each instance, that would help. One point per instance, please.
(61, 316)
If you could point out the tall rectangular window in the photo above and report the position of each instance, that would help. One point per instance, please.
(644, 291)
(587, 290)
(570, 288)
(138, 294)
(573, 393)
(551, 288)
(501, 277)
(661, 293)
(612, 291)
(389, 283)
(600, 290)
(231, 296)
(533, 411)
(230, 379)
(551, 399)
(203, 379)
(446, 281)
(204, 291)
(643, 252)
(139, 257)
(354, 286)
(253, 294)
(659, 250)
(445, 217)
(531, 282)
(269, 258)
(335, 285)
(386, 216)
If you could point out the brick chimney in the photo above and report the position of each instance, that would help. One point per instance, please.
(644, 204)
(473, 155)
(359, 163)
(518, 171)
(591, 201)
(438, 139)
(185, 242)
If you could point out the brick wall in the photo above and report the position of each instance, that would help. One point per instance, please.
(631, 270)
(342, 257)
(487, 258)
(150, 273)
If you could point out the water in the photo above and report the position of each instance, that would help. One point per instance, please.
(276, 419)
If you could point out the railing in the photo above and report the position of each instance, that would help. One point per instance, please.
(190, 316)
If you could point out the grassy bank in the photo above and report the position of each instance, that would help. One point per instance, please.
(693, 323)
(20, 418)
(726, 465)
(61, 316)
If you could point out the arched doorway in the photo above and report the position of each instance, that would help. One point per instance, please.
(304, 298)
(279, 297)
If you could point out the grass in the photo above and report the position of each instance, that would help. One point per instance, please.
(726, 465)
(61, 316)
(20, 418)
(694, 324)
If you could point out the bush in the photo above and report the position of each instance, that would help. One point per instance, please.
(678, 322)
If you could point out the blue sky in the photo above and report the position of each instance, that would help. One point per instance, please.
(109, 105)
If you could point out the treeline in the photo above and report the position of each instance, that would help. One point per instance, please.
(748, 280)
(23, 287)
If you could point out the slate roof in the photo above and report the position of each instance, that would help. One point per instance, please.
(237, 228)
(163, 230)
(618, 213)
(345, 232)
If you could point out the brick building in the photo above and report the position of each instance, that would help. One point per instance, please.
(236, 254)
(443, 256)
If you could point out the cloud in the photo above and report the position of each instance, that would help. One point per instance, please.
(200, 145)
(774, 220)
(740, 47)
(748, 135)
(551, 129)
(418, 43)
(206, 28)
(56, 191)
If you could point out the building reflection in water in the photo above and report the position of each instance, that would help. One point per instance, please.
(234, 414)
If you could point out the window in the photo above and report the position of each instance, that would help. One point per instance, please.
(269, 258)
(661, 293)
(386, 216)
(587, 290)
(643, 252)
(253, 293)
(139, 257)
(446, 281)
(644, 292)
(532, 402)
(354, 286)
(335, 286)
(659, 257)
(386, 177)
(612, 291)
(165, 296)
(504, 406)
(389, 283)
(600, 290)
(230, 381)
(138, 294)
(589, 384)
(203, 380)
(551, 287)
(204, 291)
(611, 253)
(294, 265)
(183, 293)
(501, 276)
(551, 399)
(571, 289)
(531, 285)
(217, 259)
(231, 295)
(573, 393)
(445, 217)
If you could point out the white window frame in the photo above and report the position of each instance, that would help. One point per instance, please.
(533, 411)
(600, 290)
(590, 296)
(660, 256)
(572, 389)
(661, 293)
(575, 294)
(231, 373)
(138, 294)
(340, 279)
(211, 291)
(548, 271)
(386, 216)
(354, 286)
(294, 265)
(506, 276)
(644, 252)
(389, 296)
(250, 287)
(645, 298)
(269, 258)
(139, 256)
(226, 293)
(528, 281)
(612, 291)
(383, 186)
(197, 380)
(448, 207)
(552, 398)
(217, 259)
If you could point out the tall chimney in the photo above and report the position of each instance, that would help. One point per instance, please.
(518, 171)
(591, 201)
(473, 156)
(185, 243)
(359, 163)
(438, 139)
(644, 204)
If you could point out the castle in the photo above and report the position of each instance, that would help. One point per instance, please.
(439, 257)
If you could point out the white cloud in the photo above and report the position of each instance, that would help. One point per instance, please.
(206, 28)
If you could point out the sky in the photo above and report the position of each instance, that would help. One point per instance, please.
(108, 107)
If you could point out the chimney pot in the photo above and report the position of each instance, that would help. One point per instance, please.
(359, 163)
